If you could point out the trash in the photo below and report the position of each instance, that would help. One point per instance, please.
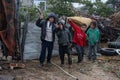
(17, 65)
(115, 20)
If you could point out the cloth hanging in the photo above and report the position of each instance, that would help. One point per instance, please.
(8, 24)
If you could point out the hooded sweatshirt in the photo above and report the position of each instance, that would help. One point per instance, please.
(79, 37)
(93, 36)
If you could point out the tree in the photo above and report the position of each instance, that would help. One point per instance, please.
(42, 6)
(61, 7)
(31, 11)
(97, 7)
(102, 9)
(114, 3)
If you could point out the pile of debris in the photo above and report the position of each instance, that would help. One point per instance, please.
(109, 33)
(115, 19)
(109, 27)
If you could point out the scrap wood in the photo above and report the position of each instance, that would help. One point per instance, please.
(115, 19)
(116, 58)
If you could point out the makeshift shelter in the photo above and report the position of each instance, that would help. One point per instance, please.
(32, 47)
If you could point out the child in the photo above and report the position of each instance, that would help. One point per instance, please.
(79, 39)
(64, 40)
(93, 36)
(47, 37)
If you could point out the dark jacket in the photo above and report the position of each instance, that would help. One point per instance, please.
(43, 24)
(64, 36)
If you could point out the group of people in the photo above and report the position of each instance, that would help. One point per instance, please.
(50, 28)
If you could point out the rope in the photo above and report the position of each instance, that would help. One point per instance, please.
(65, 71)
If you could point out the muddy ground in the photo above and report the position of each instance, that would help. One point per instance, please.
(87, 70)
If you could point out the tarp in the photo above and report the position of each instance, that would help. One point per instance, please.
(33, 43)
(7, 24)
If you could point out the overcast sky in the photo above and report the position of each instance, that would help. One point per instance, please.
(77, 4)
(74, 4)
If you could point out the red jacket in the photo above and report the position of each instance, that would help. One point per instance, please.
(79, 37)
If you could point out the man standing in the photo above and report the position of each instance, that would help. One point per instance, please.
(47, 36)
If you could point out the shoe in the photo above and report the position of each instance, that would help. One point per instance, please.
(49, 63)
(70, 66)
(89, 59)
(62, 65)
(79, 62)
(41, 65)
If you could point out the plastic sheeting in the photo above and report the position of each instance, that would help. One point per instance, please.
(33, 43)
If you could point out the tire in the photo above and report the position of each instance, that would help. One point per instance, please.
(118, 51)
(114, 45)
(108, 52)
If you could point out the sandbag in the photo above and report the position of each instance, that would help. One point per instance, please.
(80, 20)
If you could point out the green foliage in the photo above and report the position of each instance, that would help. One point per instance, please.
(61, 7)
(32, 12)
(41, 5)
(97, 7)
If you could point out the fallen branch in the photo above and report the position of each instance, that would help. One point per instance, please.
(65, 71)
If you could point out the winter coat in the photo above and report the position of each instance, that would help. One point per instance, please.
(64, 36)
(79, 37)
(43, 24)
(93, 36)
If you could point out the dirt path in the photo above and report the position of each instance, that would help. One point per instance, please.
(96, 74)
(84, 71)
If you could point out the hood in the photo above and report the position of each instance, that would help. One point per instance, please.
(62, 22)
(52, 15)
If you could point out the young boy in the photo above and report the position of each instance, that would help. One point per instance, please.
(47, 37)
(93, 36)
(79, 39)
(64, 40)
